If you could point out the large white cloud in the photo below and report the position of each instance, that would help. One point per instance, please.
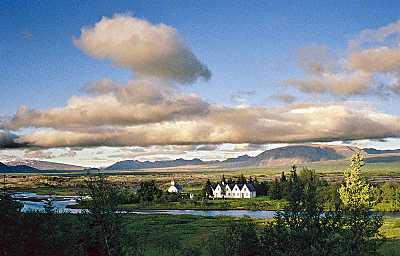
(296, 123)
(137, 102)
(147, 49)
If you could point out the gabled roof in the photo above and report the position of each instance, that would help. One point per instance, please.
(232, 185)
(250, 187)
(214, 186)
(177, 186)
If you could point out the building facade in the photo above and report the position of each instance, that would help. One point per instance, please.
(221, 190)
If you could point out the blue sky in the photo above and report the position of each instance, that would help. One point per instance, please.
(255, 39)
(251, 48)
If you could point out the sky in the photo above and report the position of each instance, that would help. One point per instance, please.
(91, 83)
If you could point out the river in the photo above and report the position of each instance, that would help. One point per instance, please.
(35, 202)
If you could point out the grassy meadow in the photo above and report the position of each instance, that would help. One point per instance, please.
(192, 231)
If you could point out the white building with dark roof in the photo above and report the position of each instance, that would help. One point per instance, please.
(175, 188)
(233, 190)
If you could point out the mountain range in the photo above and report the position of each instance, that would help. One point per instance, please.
(17, 169)
(294, 154)
(45, 165)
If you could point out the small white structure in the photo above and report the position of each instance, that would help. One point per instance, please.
(246, 190)
(175, 188)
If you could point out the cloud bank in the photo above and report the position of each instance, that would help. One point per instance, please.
(257, 125)
(136, 103)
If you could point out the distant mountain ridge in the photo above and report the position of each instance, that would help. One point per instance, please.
(373, 151)
(17, 169)
(294, 154)
(135, 164)
(45, 165)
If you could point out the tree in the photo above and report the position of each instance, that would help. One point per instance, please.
(261, 187)
(276, 190)
(360, 228)
(283, 184)
(223, 190)
(356, 193)
(223, 180)
(300, 229)
(238, 239)
(207, 190)
(283, 177)
(241, 179)
(10, 229)
(104, 224)
(148, 191)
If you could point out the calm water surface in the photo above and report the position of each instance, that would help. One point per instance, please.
(35, 202)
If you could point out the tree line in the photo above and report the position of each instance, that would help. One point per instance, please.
(304, 228)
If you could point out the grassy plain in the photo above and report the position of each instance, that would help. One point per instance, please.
(192, 231)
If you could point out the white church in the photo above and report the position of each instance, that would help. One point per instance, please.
(234, 190)
(175, 188)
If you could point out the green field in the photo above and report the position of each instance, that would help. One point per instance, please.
(184, 231)
(258, 203)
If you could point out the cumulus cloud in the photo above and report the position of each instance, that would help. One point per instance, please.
(375, 35)
(138, 102)
(381, 59)
(338, 84)
(370, 56)
(297, 123)
(155, 50)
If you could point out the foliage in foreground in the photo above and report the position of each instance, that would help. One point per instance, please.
(301, 229)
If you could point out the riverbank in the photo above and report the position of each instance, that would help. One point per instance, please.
(265, 203)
